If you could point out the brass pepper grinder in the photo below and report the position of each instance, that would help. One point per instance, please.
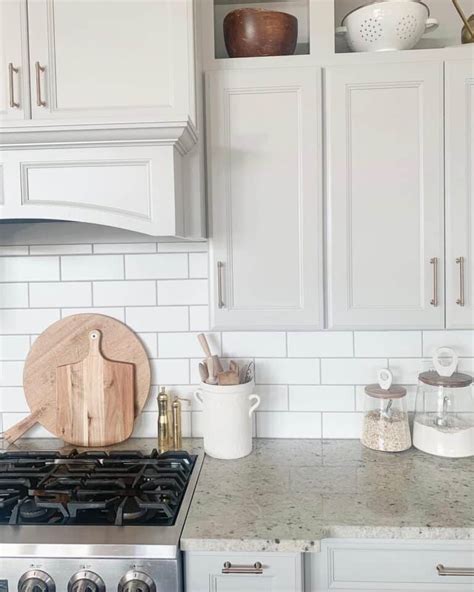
(164, 424)
(177, 432)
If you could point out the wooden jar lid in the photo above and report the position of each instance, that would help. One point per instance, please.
(396, 391)
(456, 380)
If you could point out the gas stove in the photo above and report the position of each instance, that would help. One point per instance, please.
(93, 521)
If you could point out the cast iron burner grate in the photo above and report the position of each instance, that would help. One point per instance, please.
(93, 488)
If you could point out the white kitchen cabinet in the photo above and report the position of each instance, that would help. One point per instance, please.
(279, 572)
(14, 77)
(265, 179)
(459, 194)
(385, 195)
(356, 565)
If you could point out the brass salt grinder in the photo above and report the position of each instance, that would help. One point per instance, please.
(169, 422)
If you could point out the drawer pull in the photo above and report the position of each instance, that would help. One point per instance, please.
(220, 292)
(434, 263)
(39, 70)
(454, 571)
(460, 301)
(11, 71)
(255, 569)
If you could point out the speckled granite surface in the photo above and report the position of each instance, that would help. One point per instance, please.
(289, 494)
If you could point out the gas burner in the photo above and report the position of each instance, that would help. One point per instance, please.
(29, 511)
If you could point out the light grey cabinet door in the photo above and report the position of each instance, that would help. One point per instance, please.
(385, 195)
(459, 194)
(265, 180)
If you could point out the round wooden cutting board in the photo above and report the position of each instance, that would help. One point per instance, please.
(67, 342)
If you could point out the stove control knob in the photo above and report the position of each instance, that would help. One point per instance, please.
(36, 580)
(136, 581)
(86, 581)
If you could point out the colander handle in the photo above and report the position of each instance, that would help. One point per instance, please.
(341, 30)
(431, 24)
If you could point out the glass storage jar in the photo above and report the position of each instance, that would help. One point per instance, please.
(444, 414)
(385, 426)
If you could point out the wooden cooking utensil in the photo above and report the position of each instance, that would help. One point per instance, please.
(95, 403)
(66, 342)
(213, 363)
(231, 376)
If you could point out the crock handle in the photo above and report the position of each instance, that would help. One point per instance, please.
(431, 24)
(445, 369)
(341, 30)
(255, 405)
(198, 397)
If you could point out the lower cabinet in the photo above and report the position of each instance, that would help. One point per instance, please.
(243, 572)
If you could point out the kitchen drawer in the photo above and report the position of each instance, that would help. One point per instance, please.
(281, 572)
(394, 565)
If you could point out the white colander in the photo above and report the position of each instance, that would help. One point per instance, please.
(387, 25)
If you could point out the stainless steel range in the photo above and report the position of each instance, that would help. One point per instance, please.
(93, 521)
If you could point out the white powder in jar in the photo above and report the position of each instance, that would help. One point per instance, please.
(390, 434)
(455, 440)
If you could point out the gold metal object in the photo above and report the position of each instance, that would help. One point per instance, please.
(12, 70)
(220, 296)
(164, 427)
(461, 300)
(39, 70)
(255, 569)
(454, 571)
(467, 33)
(434, 263)
(177, 430)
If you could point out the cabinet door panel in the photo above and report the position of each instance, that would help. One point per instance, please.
(385, 195)
(111, 59)
(14, 88)
(459, 194)
(265, 179)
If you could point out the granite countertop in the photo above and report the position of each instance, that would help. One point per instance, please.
(288, 495)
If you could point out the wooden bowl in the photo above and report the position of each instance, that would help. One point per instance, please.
(255, 32)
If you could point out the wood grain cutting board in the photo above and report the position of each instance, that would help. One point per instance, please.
(95, 402)
(67, 342)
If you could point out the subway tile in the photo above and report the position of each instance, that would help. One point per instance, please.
(199, 318)
(14, 347)
(158, 318)
(254, 344)
(13, 250)
(406, 371)
(394, 344)
(116, 313)
(351, 371)
(274, 397)
(183, 292)
(146, 425)
(186, 345)
(182, 247)
(183, 391)
(466, 365)
(149, 341)
(197, 428)
(11, 373)
(461, 341)
(25, 321)
(125, 248)
(13, 400)
(122, 293)
(149, 267)
(29, 269)
(37, 431)
(13, 296)
(60, 249)
(342, 425)
(322, 398)
(198, 265)
(287, 371)
(320, 344)
(60, 294)
(280, 424)
(166, 372)
(92, 267)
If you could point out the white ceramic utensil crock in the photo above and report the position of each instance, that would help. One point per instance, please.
(227, 418)
(387, 25)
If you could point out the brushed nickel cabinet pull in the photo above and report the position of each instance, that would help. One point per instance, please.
(434, 263)
(460, 301)
(11, 87)
(220, 293)
(39, 70)
(454, 571)
(255, 569)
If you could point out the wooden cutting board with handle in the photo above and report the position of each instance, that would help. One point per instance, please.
(67, 342)
(94, 398)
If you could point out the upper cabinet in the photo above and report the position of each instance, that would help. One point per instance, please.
(265, 180)
(385, 195)
(459, 194)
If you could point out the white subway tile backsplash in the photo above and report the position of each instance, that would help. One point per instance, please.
(11, 373)
(406, 371)
(13, 296)
(158, 318)
(156, 267)
(287, 371)
(322, 398)
(60, 249)
(461, 341)
(37, 431)
(13, 400)
(98, 267)
(254, 344)
(198, 265)
(182, 247)
(60, 294)
(197, 424)
(149, 340)
(351, 371)
(26, 321)
(29, 269)
(391, 344)
(125, 248)
(185, 345)
(14, 347)
(199, 318)
(122, 293)
(281, 424)
(320, 344)
(182, 292)
(342, 425)
(273, 397)
(146, 425)
(166, 372)
(116, 313)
